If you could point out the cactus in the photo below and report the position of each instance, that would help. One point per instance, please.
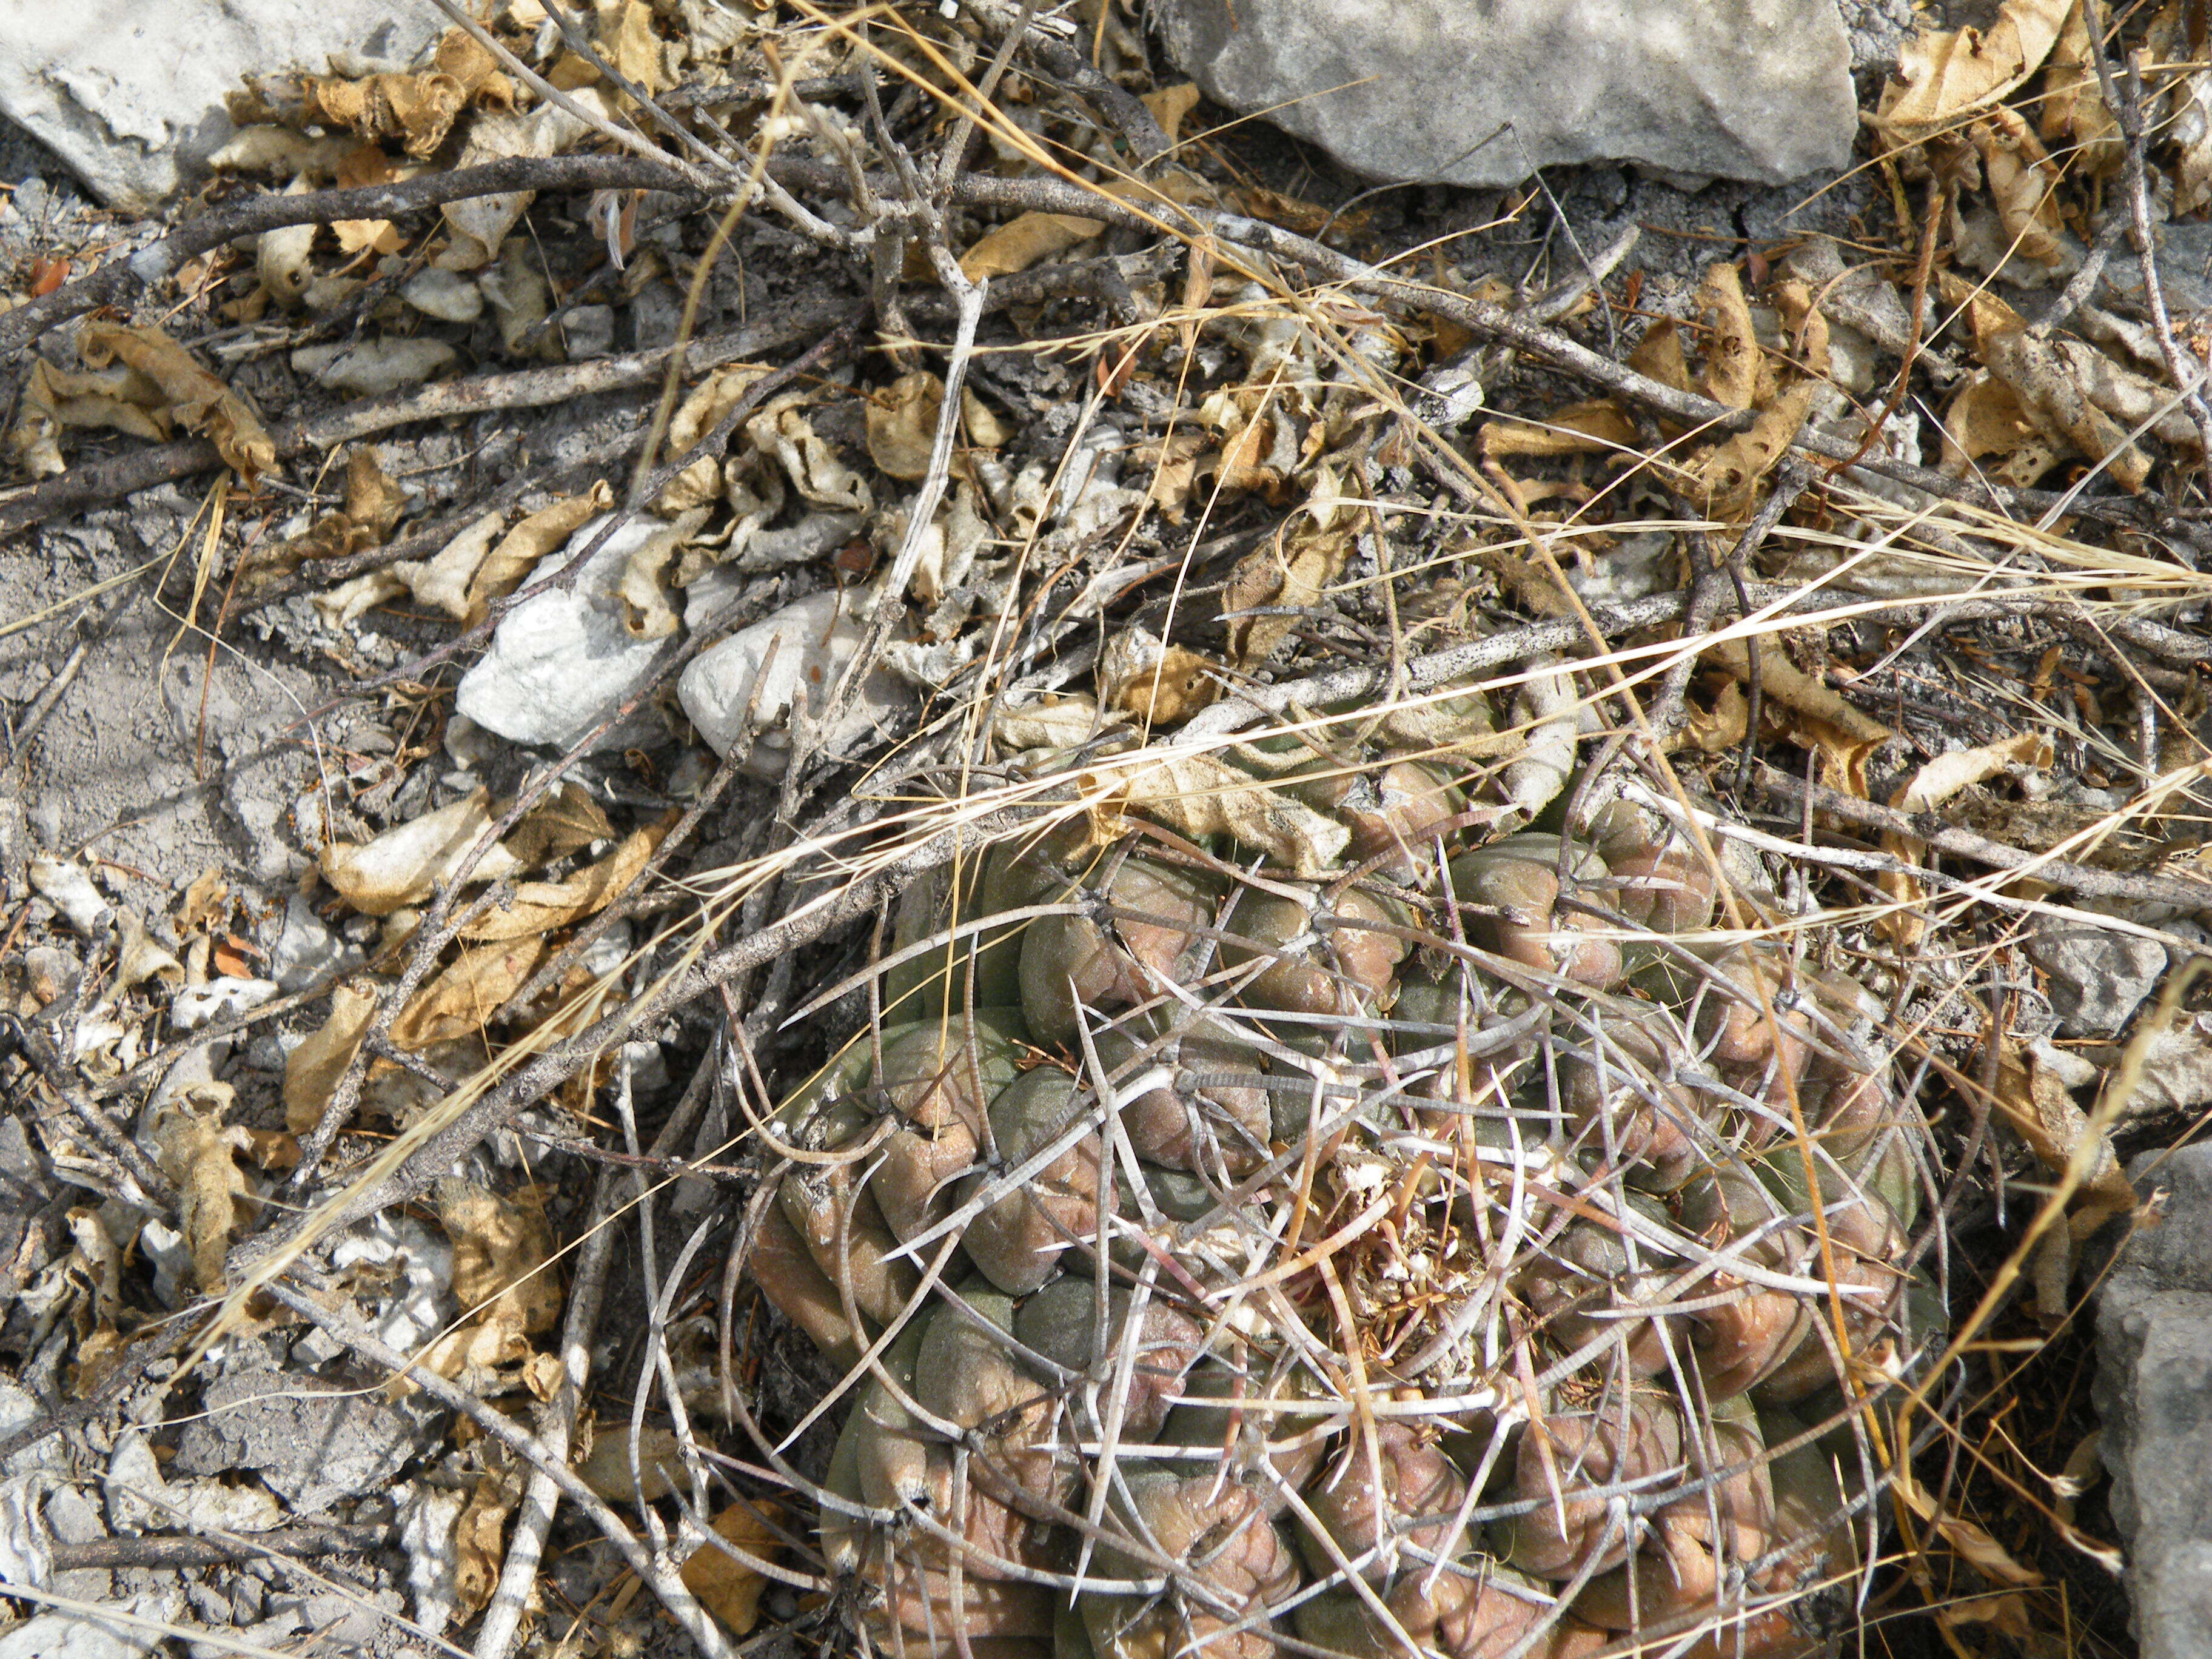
(1425, 1254)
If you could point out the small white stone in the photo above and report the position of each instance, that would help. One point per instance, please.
(750, 682)
(560, 663)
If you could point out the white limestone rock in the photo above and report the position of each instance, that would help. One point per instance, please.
(131, 95)
(1418, 89)
(562, 661)
(750, 682)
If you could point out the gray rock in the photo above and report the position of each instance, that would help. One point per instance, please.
(1419, 89)
(2177, 1070)
(562, 662)
(2154, 1391)
(2096, 979)
(747, 686)
(311, 1442)
(131, 97)
(306, 950)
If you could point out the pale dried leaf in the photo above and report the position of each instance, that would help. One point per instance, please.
(197, 1152)
(1944, 74)
(467, 991)
(902, 422)
(192, 396)
(406, 864)
(312, 1071)
(1200, 794)
(540, 906)
(519, 551)
(1029, 239)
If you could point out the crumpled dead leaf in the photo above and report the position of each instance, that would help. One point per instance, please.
(519, 551)
(502, 1251)
(605, 1468)
(1160, 684)
(405, 864)
(902, 424)
(1783, 681)
(1945, 74)
(2023, 182)
(1988, 431)
(1290, 573)
(643, 589)
(1928, 788)
(480, 224)
(312, 1071)
(118, 398)
(467, 991)
(417, 109)
(726, 1587)
(815, 469)
(442, 580)
(1199, 794)
(1028, 241)
(567, 821)
(700, 484)
(195, 1151)
(191, 395)
(2055, 381)
(480, 1539)
(538, 907)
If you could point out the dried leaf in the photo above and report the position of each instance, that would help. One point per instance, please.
(1781, 681)
(1987, 431)
(2023, 184)
(519, 551)
(1733, 470)
(480, 1541)
(627, 42)
(726, 1588)
(540, 906)
(467, 991)
(1171, 105)
(643, 588)
(1944, 74)
(606, 1467)
(1733, 362)
(480, 224)
(700, 484)
(566, 821)
(1585, 428)
(442, 580)
(499, 1244)
(2053, 393)
(312, 1071)
(814, 468)
(1202, 794)
(1029, 239)
(191, 395)
(1928, 788)
(902, 424)
(1722, 728)
(1160, 684)
(420, 109)
(197, 1152)
(2075, 117)
(1291, 572)
(404, 865)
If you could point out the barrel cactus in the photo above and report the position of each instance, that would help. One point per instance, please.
(1478, 1246)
